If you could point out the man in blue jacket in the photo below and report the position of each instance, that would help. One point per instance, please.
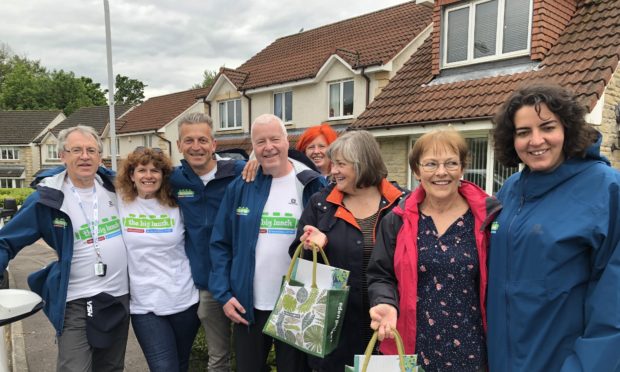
(198, 185)
(86, 289)
(253, 229)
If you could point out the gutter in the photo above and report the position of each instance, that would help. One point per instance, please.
(424, 123)
(208, 103)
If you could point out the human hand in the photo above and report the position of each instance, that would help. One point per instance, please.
(232, 310)
(383, 319)
(312, 238)
(249, 171)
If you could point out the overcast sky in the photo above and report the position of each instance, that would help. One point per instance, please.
(165, 44)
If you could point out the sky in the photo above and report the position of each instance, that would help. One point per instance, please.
(166, 44)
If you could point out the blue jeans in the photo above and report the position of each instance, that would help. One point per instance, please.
(167, 340)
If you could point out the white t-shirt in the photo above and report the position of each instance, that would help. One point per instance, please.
(277, 232)
(160, 279)
(82, 280)
(209, 176)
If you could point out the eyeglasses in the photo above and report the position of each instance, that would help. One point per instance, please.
(77, 151)
(155, 150)
(432, 166)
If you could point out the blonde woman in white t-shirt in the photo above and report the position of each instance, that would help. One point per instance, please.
(164, 299)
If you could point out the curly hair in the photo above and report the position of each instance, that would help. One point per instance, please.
(578, 135)
(312, 133)
(142, 156)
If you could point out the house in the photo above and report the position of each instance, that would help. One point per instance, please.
(94, 116)
(327, 74)
(477, 53)
(20, 156)
(153, 123)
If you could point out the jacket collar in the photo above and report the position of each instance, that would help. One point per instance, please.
(388, 192)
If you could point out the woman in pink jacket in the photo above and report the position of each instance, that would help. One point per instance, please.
(427, 274)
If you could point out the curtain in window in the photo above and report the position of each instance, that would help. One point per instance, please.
(334, 100)
(458, 27)
(516, 25)
(485, 33)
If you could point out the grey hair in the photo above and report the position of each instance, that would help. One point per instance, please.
(266, 119)
(84, 129)
(361, 149)
(195, 118)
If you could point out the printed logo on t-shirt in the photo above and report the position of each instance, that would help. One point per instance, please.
(108, 228)
(278, 224)
(60, 222)
(243, 211)
(185, 193)
(148, 224)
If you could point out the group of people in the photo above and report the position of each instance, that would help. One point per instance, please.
(525, 280)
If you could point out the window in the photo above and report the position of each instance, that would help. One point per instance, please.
(52, 152)
(484, 30)
(341, 99)
(230, 114)
(476, 170)
(283, 106)
(147, 141)
(9, 153)
(11, 183)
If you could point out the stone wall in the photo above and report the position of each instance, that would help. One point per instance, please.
(394, 151)
(611, 146)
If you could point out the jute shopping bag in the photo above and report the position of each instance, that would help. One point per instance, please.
(384, 363)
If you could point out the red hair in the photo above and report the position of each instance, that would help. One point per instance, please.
(312, 133)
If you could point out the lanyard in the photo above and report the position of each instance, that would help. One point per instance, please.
(93, 224)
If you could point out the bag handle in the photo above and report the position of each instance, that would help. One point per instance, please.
(399, 346)
(296, 256)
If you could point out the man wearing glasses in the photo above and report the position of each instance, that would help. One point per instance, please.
(86, 289)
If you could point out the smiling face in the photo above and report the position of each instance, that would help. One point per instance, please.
(81, 168)
(316, 152)
(538, 139)
(441, 183)
(271, 148)
(344, 175)
(197, 145)
(147, 179)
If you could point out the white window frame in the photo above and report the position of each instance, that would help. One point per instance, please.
(471, 30)
(340, 114)
(13, 181)
(237, 121)
(281, 96)
(52, 152)
(14, 151)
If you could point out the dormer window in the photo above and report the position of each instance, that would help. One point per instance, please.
(484, 30)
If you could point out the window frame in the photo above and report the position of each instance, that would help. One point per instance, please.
(236, 102)
(340, 114)
(282, 100)
(52, 152)
(13, 150)
(16, 183)
(499, 35)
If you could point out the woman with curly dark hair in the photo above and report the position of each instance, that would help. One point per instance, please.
(554, 261)
(164, 299)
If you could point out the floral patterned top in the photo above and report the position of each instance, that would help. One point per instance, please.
(450, 335)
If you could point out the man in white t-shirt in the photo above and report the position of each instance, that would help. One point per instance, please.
(86, 291)
(254, 227)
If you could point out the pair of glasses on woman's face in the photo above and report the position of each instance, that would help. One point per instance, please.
(156, 150)
(432, 166)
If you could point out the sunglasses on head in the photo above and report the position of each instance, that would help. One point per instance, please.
(155, 150)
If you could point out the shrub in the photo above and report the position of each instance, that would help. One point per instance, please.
(19, 195)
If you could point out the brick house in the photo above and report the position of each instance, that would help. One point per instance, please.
(20, 155)
(327, 74)
(478, 52)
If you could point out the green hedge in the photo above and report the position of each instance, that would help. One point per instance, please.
(18, 194)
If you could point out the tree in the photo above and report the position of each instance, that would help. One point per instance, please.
(208, 78)
(128, 91)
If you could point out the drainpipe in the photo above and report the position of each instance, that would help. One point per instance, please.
(367, 85)
(169, 143)
(204, 100)
(249, 110)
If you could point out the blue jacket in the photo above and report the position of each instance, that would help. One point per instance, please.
(199, 205)
(43, 215)
(235, 234)
(553, 299)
